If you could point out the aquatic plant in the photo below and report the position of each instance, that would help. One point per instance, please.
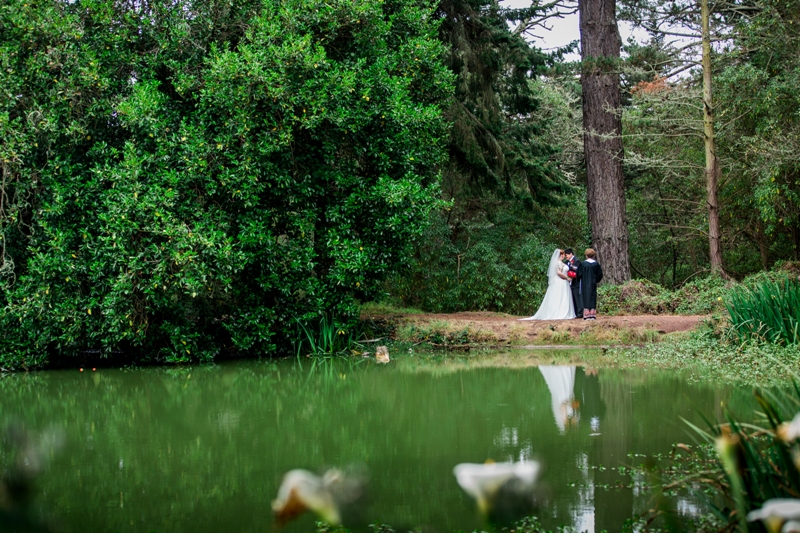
(777, 514)
(324, 337)
(770, 310)
(758, 464)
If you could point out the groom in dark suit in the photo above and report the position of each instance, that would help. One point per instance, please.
(575, 282)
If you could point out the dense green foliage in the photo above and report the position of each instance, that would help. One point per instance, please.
(494, 266)
(187, 178)
(769, 311)
(760, 110)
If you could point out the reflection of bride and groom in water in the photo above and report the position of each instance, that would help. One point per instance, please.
(568, 405)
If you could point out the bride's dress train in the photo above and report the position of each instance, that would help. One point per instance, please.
(557, 303)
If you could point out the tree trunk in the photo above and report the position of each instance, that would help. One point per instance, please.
(712, 163)
(602, 138)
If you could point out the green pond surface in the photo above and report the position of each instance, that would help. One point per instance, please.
(204, 449)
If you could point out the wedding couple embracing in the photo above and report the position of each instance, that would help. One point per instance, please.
(571, 287)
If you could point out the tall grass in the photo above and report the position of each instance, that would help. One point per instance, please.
(324, 337)
(738, 466)
(768, 311)
(751, 464)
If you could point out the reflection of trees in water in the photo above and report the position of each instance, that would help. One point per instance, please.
(23, 457)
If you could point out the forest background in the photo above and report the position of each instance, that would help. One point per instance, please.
(187, 179)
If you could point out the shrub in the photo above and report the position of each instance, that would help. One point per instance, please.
(701, 296)
(480, 266)
(189, 178)
(769, 310)
(696, 297)
(634, 297)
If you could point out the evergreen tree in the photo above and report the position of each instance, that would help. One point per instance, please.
(496, 148)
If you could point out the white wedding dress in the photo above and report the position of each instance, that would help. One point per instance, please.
(557, 303)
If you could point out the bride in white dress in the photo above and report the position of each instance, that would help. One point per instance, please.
(557, 303)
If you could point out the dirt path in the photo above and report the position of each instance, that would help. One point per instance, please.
(502, 327)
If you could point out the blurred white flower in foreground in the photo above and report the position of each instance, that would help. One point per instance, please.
(792, 526)
(776, 513)
(791, 430)
(335, 498)
(494, 485)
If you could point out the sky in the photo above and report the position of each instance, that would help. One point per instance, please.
(565, 30)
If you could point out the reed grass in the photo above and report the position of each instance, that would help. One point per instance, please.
(768, 311)
(325, 337)
(753, 464)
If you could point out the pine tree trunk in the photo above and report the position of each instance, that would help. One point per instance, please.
(712, 163)
(602, 138)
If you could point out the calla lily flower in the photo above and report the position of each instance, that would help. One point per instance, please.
(484, 481)
(776, 513)
(788, 432)
(302, 490)
(792, 526)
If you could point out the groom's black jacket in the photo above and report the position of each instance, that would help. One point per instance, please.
(575, 266)
(575, 285)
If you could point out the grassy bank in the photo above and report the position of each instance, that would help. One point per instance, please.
(452, 335)
(708, 357)
(702, 355)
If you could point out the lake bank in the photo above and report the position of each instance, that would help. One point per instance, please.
(696, 345)
(488, 329)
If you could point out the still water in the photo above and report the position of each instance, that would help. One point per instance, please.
(204, 449)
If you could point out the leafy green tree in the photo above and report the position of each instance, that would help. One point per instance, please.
(697, 24)
(759, 91)
(754, 68)
(185, 178)
(664, 165)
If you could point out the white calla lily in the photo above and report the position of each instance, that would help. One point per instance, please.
(483, 481)
(791, 430)
(774, 513)
(792, 526)
(302, 490)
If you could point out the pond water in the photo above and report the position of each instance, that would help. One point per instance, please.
(204, 449)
